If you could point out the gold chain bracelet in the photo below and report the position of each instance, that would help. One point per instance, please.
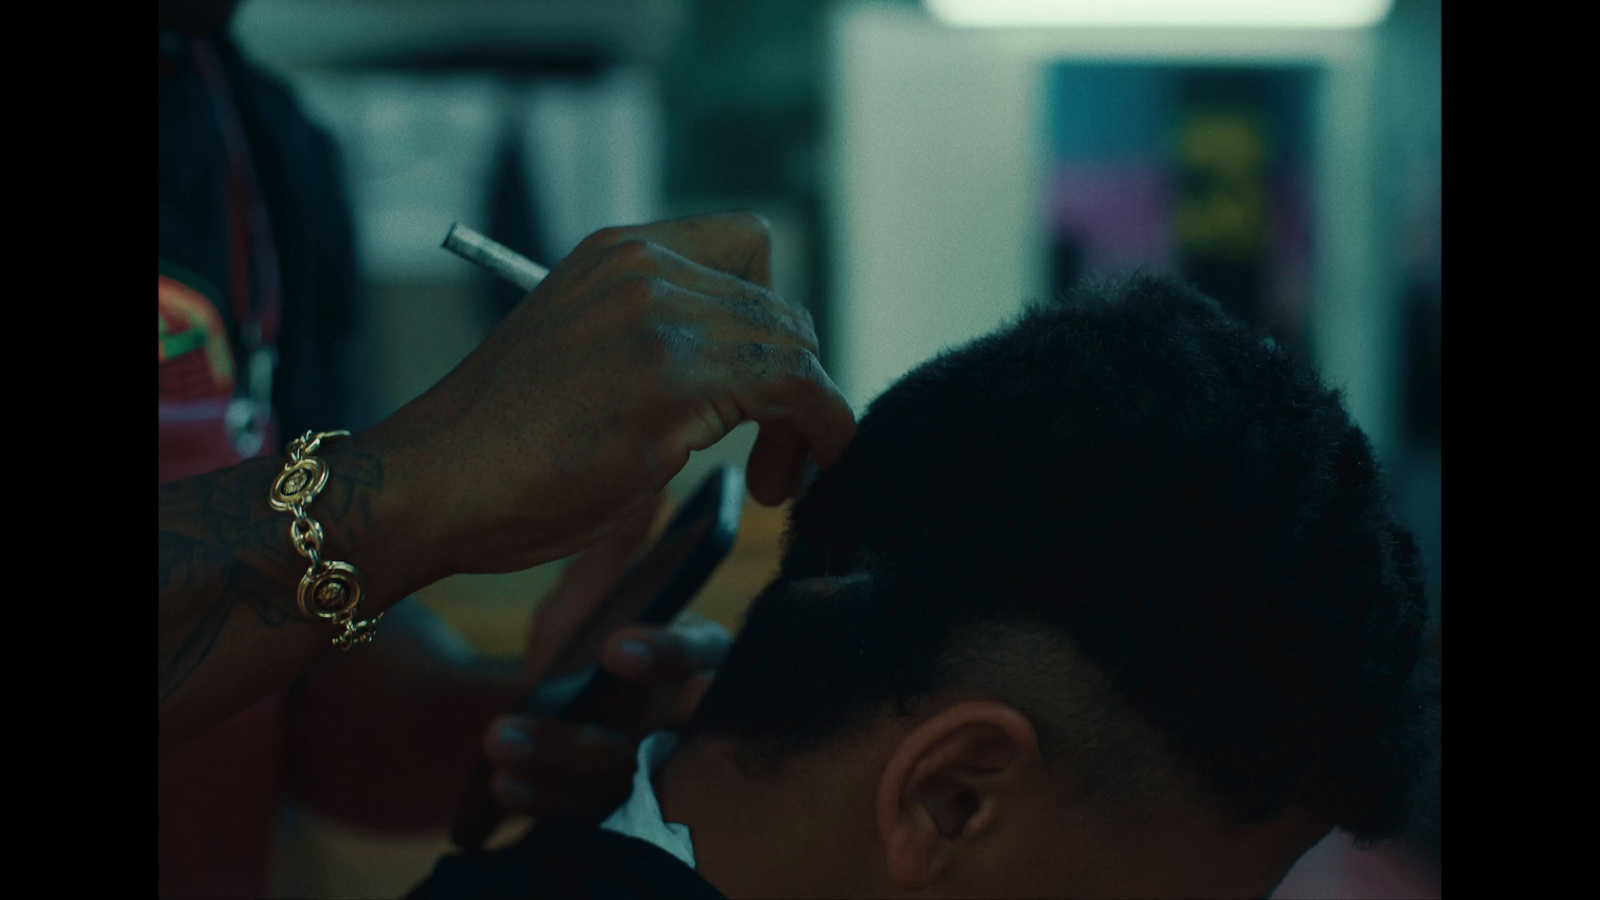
(328, 590)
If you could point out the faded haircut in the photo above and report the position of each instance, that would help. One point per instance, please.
(1148, 526)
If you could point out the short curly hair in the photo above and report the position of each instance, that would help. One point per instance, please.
(1180, 501)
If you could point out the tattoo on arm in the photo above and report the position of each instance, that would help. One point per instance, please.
(224, 552)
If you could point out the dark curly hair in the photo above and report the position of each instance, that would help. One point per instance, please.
(1178, 508)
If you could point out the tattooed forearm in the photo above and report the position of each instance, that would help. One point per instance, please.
(229, 627)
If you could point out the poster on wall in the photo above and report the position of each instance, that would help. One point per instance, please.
(1202, 172)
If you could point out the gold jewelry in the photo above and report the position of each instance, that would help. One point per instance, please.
(329, 589)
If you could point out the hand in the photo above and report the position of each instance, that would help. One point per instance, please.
(546, 766)
(645, 344)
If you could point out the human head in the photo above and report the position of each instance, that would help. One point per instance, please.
(1154, 539)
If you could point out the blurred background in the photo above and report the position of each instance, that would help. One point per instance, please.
(927, 167)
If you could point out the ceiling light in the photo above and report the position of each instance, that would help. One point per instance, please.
(1162, 13)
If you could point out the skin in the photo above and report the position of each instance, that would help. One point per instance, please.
(228, 633)
(544, 766)
(414, 708)
(428, 703)
(645, 344)
(660, 338)
(954, 801)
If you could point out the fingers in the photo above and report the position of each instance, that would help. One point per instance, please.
(651, 276)
(688, 697)
(545, 766)
(715, 271)
(724, 257)
(758, 307)
(527, 747)
(777, 464)
(739, 244)
(753, 317)
(739, 292)
(783, 386)
(645, 654)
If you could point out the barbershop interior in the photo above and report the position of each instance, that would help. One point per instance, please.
(926, 167)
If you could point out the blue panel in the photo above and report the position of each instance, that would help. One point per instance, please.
(1106, 112)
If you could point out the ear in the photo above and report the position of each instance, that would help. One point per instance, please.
(950, 782)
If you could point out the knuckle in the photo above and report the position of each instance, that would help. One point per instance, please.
(806, 331)
(756, 229)
(632, 254)
(801, 364)
(605, 237)
(754, 356)
(768, 298)
(668, 351)
(759, 295)
(794, 367)
(638, 289)
(753, 222)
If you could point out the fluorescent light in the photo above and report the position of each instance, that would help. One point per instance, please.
(1167, 13)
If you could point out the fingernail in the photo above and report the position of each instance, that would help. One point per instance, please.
(636, 650)
(516, 741)
(516, 793)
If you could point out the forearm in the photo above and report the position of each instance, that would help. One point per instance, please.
(229, 628)
(385, 740)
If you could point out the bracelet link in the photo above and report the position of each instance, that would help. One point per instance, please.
(298, 484)
(356, 632)
(329, 589)
(307, 537)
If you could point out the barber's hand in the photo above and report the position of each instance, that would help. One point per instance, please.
(544, 766)
(646, 343)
